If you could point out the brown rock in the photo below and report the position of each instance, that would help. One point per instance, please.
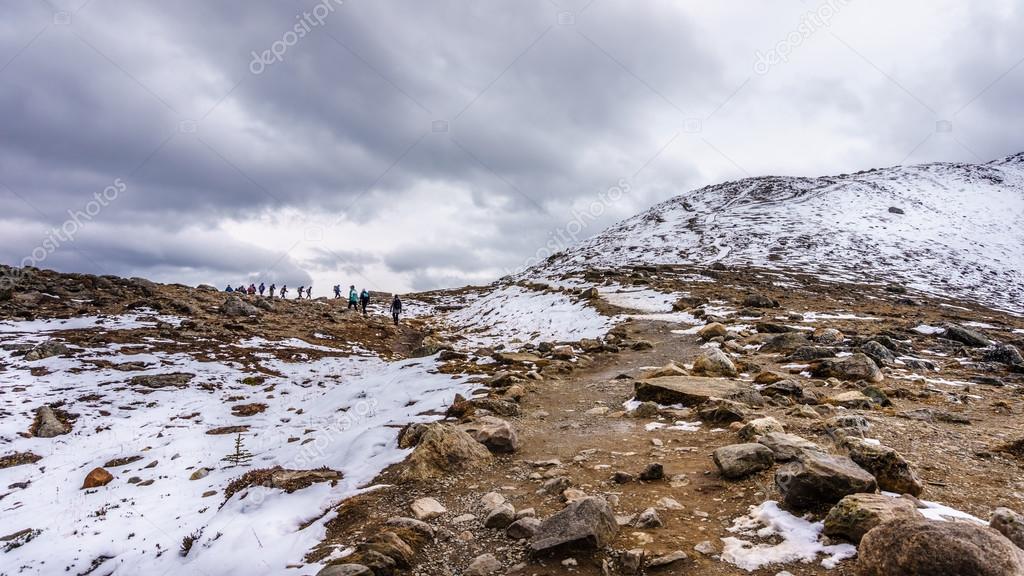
(96, 478)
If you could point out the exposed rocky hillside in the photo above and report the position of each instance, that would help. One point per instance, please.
(948, 229)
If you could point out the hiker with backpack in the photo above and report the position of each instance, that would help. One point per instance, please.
(309, 291)
(353, 298)
(396, 308)
(273, 287)
(337, 291)
(364, 300)
(262, 288)
(284, 291)
(302, 289)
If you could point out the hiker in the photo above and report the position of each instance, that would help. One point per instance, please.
(284, 291)
(262, 288)
(353, 298)
(302, 289)
(241, 288)
(229, 289)
(337, 291)
(273, 287)
(396, 308)
(252, 289)
(309, 292)
(364, 300)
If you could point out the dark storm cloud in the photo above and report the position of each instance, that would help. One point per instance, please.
(354, 110)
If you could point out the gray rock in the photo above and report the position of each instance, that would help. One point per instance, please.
(483, 565)
(880, 354)
(523, 528)
(586, 523)
(786, 387)
(760, 301)
(857, 514)
(46, 350)
(345, 570)
(1009, 524)
(156, 381)
(741, 460)
(667, 559)
(785, 343)
(500, 517)
(934, 548)
(787, 447)
(48, 426)
(412, 524)
(686, 390)
(648, 519)
(852, 368)
(1004, 354)
(968, 337)
(805, 353)
(555, 485)
(497, 434)
(890, 469)
(714, 362)
(235, 306)
(816, 480)
(759, 427)
(722, 412)
(427, 508)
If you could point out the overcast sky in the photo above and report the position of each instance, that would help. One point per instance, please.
(403, 145)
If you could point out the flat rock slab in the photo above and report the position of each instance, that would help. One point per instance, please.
(685, 390)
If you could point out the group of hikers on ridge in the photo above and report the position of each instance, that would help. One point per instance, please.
(356, 300)
(252, 290)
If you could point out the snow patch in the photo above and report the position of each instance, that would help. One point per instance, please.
(801, 540)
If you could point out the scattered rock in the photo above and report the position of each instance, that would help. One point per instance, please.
(47, 425)
(853, 400)
(852, 368)
(46, 350)
(653, 471)
(856, 514)
(667, 560)
(931, 547)
(418, 526)
(686, 390)
(443, 449)
(714, 362)
(345, 570)
(96, 478)
(879, 353)
(1004, 354)
(742, 460)
(500, 517)
(712, 330)
(760, 427)
(965, 336)
(785, 343)
(648, 519)
(427, 508)
(586, 523)
(888, 466)
(523, 528)
(670, 369)
(18, 459)
(1009, 524)
(234, 306)
(156, 381)
(828, 336)
(760, 301)
(722, 412)
(646, 410)
(494, 433)
(807, 353)
(483, 565)
(787, 447)
(821, 479)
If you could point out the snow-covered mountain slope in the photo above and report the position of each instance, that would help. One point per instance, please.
(960, 233)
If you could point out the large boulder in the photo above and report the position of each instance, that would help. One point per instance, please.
(443, 449)
(890, 469)
(235, 306)
(785, 343)
(712, 330)
(879, 353)
(856, 514)
(1004, 354)
(919, 547)
(586, 523)
(855, 367)
(816, 480)
(759, 427)
(742, 460)
(686, 390)
(787, 447)
(1009, 524)
(494, 433)
(965, 336)
(97, 477)
(760, 301)
(46, 350)
(714, 362)
(47, 425)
